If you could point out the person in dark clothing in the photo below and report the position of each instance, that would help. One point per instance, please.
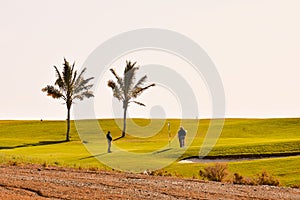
(181, 136)
(109, 139)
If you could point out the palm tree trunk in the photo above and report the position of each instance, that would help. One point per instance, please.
(124, 121)
(68, 126)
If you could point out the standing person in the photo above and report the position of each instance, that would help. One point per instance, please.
(181, 136)
(109, 139)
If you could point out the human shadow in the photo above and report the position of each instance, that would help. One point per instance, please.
(93, 156)
(161, 151)
(40, 143)
(118, 138)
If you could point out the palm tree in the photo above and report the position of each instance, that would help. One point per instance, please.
(125, 90)
(71, 86)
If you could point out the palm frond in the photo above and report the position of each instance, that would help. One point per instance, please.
(80, 88)
(119, 79)
(85, 94)
(81, 83)
(59, 81)
(85, 81)
(65, 71)
(115, 74)
(81, 73)
(53, 92)
(74, 77)
(129, 66)
(116, 90)
(67, 75)
(88, 94)
(72, 69)
(85, 88)
(139, 103)
(111, 84)
(141, 81)
(121, 87)
(129, 76)
(137, 91)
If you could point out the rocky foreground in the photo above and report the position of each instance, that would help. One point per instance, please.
(37, 182)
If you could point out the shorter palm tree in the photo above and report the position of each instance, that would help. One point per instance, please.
(71, 86)
(125, 90)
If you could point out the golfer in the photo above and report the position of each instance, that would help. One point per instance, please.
(109, 139)
(181, 136)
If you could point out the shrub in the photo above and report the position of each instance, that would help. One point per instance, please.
(215, 172)
(296, 186)
(13, 163)
(160, 173)
(45, 164)
(266, 179)
(219, 171)
(93, 168)
(180, 175)
(239, 179)
(262, 179)
(249, 181)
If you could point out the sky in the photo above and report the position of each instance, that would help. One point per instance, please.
(254, 45)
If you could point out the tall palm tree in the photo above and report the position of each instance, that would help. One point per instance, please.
(125, 90)
(71, 86)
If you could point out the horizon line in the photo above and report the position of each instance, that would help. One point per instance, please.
(171, 118)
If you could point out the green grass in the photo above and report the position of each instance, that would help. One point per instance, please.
(42, 142)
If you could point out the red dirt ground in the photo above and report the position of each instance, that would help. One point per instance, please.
(37, 182)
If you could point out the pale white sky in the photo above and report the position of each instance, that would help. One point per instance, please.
(255, 45)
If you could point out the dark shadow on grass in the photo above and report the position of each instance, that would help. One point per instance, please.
(94, 156)
(40, 143)
(237, 157)
(161, 151)
(118, 138)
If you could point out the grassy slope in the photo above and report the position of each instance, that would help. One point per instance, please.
(35, 141)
